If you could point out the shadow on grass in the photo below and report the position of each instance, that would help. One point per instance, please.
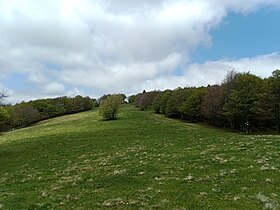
(108, 120)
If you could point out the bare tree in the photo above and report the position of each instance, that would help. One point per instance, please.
(2, 95)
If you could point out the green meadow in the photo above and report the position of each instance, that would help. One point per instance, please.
(139, 161)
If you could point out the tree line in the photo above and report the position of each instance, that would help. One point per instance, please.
(243, 101)
(26, 113)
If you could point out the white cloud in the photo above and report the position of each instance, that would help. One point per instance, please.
(38, 78)
(114, 45)
(54, 89)
(74, 92)
(213, 72)
(117, 77)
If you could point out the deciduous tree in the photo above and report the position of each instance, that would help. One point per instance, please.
(241, 105)
(109, 107)
(212, 106)
(275, 95)
(145, 99)
(160, 101)
(174, 101)
(190, 108)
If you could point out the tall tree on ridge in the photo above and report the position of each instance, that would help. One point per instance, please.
(241, 105)
(275, 93)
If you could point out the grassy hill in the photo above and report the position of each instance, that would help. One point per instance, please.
(141, 160)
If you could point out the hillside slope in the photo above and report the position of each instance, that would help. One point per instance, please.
(141, 160)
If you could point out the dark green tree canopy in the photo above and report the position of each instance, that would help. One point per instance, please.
(275, 95)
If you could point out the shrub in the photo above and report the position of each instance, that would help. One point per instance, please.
(110, 106)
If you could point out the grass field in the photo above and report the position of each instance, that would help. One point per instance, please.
(140, 161)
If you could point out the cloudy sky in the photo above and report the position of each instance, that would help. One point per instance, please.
(92, 47)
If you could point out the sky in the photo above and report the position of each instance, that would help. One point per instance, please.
(94, 47)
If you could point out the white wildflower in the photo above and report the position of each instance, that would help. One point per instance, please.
(236, 198)
(44, 194)
(268, 180)
(113, 202)
(188, 178)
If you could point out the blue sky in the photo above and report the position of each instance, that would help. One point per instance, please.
(243, 35)
(58, 48)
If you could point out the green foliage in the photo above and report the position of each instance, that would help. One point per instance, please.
(190, 108)
(109, 107)
(26, 113)
(242, 99)
(3, 114)
(104, 97)
(131, 99)
(95, 103)
(4, 118)
(160, 101)
(241, 105)
(46, 108)
(174, 102)
(275, 95)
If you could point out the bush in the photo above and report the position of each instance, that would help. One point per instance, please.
(4, 119)
(110, 106)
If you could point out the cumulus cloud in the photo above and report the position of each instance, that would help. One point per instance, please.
(213, 72)
(113, 45)
(54, 88)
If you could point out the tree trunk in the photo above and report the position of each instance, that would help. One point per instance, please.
(232, 124)
(278, 118)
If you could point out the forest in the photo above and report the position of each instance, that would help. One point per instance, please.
(243, 101)
(26, 113)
